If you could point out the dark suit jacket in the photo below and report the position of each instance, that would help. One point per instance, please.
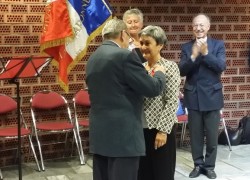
(203, 87)
(117, 81)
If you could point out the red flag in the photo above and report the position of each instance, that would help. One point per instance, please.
(57, 28)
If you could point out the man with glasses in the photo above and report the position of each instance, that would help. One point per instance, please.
(202, 62)
(117, 82)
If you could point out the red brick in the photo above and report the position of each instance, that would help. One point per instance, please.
(193, 9)
(244, 105)
(6, 29)
(239, 63)
(227, 97)
(226, 80)
(161, 9)
(226, 9)
(19, 8)
(244, 71)
(230, 88)
(238, 79)
(232, 18)
(241, 27)
(240, 10)
(170, 19)
(154, 18)
(238, 114)
(227, 27)
(244, 88)
(231, 71)
(238, 96)
(231, 105)
(178, 28)
(177, 9)
(4, 8)
(216, 2)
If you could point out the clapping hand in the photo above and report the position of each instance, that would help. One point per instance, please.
(200, 46)
(202, 43)
(195, 51)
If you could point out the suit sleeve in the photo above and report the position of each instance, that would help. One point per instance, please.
(138, 79)
(216, 61)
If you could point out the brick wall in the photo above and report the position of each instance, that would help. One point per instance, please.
(21, 24)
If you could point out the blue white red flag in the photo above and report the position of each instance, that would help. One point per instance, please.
(69, 26)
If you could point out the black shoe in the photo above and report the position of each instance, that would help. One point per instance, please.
(210, 174)
(196, 172)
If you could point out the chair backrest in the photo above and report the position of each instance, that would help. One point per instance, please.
(82, 98)
(8, 109)
(47, 101)
(7, 104)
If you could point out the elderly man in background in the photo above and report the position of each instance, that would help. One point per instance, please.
(202, 62)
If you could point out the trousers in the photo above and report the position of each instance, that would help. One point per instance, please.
(158, 164)
(204, 124)
(115, 168)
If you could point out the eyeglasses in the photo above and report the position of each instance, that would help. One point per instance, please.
(198, 25)
(131, 40)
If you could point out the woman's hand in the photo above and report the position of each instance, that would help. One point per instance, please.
(160, 139)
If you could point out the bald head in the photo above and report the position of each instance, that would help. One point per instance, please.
(201, 25)
(204, 17)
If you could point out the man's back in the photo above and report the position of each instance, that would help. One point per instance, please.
(116, 81)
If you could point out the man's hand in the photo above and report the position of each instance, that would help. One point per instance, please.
(158, 67)
(204, 50)
(202, 43)
(195, 51)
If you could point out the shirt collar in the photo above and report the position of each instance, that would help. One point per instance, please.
(205, 38)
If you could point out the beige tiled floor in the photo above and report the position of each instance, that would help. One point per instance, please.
(234, 165)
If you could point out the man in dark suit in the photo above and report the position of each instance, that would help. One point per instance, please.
(202, 62)
(117, 82)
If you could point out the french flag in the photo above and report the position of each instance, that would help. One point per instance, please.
(69, 26)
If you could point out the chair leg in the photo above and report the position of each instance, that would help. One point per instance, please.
(79, 145)
(72, 145)
(181, 140)
(224, 124)
(65, 143)
(72, 148)
(40, 151)
(34, 153)
(1, 175)
(183, 133)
